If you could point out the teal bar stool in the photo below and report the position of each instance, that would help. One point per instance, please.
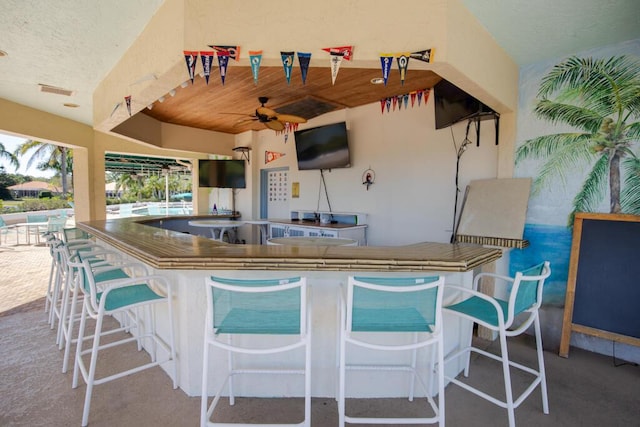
(409, 308)
(524, 297)
(122, 297)
(238, 313)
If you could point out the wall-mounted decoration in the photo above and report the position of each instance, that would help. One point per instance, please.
(403, 64)
(337, 55)
(207, 60)
(423, 55)
(304, 59)
(127, 100)
(399, 101)
(345, 51)
(190, 58)
(287, 63)
(255, 57)
(223, 64)
(232, 52)
(270, 156)
(368, 178)
(386, 59)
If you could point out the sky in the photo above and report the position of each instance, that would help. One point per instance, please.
(10, 143)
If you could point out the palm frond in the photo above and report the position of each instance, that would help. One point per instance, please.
(633, 132)
(579, 117)
(593, 188)
(567, 159)
(630, 194)
(546, 146)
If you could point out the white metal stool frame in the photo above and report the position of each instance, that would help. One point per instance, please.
(399, 318)
(525, 298)
(121, 296)
(213, 332)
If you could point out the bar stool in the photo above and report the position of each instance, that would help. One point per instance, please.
(243, 309)
(524, 300)
(120, 297)
(409, 307)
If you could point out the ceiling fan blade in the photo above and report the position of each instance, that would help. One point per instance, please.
(275, 125)
(264, 111)
(291, 118)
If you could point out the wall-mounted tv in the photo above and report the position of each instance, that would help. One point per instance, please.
(221, 173)
(453, 105)
(323, 147)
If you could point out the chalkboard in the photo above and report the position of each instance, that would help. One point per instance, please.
(603, 287)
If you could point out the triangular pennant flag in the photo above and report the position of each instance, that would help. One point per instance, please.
(403, 64)
(127, 99)
(394, 100)
(345, 51)
(304, 59)
(426, 95)
(255, 57)
(336, 60)
(383, 102)
(287, 63)
(423, 55)
(405, 98)
(386, 60)
(420, 92)
(190, 58)
(413, 98)
(223, 63)
(270, 156)
(207, 60)
(232, 52)
(388, 104)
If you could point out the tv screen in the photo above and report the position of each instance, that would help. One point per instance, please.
(323, 147)
(452, 105)
(221, 173)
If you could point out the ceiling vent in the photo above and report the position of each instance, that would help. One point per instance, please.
(54, 90)
(308, 107)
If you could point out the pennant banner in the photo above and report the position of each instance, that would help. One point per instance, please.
(191, 57)
(223, 63)
(402, 101)
(127, 99)
(287, 62)
(345, 51)
(270, 156)
(232, 52)
(403, 64)
(304, 59)
(386, 59)
(336, 60)
(255, 57)
(423, 55)
(207, 59)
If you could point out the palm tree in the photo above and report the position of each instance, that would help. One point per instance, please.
(600, 98)
(51, 157)
(4, 154)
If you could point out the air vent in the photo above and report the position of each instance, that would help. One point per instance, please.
(54, 90)
(308, 108)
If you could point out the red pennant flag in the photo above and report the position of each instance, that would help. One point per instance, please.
(270, 156)
(345, 51)
(232, 52)
(383, 102)
(413, 98)
(426, 96)
(394, 100)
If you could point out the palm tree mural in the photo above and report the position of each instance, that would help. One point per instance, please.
(51, 157)
(600, 99)
(4, 154)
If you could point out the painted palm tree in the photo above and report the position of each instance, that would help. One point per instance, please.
(4, 154)
(50, 157)
(600, 99)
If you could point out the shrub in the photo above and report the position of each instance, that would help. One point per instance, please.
(29, 205)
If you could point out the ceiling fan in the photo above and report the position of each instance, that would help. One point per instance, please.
(270, 118)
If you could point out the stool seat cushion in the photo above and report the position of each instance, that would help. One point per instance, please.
(128, 295)
(481, 309)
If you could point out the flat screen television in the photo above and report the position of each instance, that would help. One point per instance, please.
(323, 147)
(453, 105)
(221, 173)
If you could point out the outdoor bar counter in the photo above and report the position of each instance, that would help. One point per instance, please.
(186, 260)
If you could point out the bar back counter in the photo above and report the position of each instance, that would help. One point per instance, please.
(186, 260)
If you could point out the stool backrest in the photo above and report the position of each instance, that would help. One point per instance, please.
(71, 234)
(411, 304)
(526, 291)
(270, 306)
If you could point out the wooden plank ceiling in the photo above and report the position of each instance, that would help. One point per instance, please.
(220, 107)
